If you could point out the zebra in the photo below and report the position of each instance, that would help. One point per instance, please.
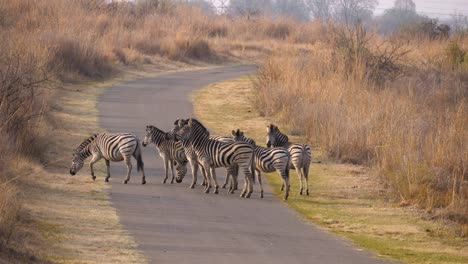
(111, 147)
(300, 154)
(193, 160)
(212, 153)
(268, 160)
(171, 152)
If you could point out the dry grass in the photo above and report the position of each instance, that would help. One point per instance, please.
(400, 108)
(345, 199)
(46, 44)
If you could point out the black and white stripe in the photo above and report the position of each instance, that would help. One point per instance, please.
(171, 152)
(212, 154)
(300, 154)
(268, 160)
(110, 147)
(193, 160)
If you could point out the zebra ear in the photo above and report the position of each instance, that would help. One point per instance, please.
(268, 129)
(241, 133)
(233, 133)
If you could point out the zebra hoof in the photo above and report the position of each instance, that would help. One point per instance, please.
(93, 177)
(261, 195)
(285, 198)
(192, 186)
(300, 193)
(143, 182)
(107, 180)
(242, 194)
(207, 190)
(247, 196)
(307, 192)
(224, 186)
(216, 191)
(125, 182)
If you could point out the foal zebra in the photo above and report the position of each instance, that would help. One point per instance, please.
(300, 154)
(212, 153)
(268, 160)
(171, 152)
(111, 147)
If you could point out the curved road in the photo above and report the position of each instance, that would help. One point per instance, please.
(173, 224)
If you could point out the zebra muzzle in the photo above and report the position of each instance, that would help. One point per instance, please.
(72, 173)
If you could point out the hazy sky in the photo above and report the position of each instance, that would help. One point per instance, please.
(432, 8)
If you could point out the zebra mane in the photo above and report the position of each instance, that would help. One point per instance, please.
(152, 128)
(85, 143)
(199, 125)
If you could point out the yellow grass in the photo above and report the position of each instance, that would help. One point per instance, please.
(406, 117)
(345, 199)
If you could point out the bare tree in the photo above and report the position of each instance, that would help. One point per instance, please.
(407, 5)
(248, 8)
(292, 8)
(321, 9)
(352, 11)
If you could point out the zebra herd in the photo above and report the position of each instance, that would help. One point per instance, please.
(190, 142)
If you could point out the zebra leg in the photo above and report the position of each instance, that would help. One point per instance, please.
(171, 164)
(166, 168)
(205, 176)
(244, 190)
(194, 166)
(286, 183)
(299, 174)
(91, 164)
(226, 181)
(128, 161)
(284, 173)
(206, 167)
(213, 176)
(260, 182)
(248, 187)
(306, 176)
(108, 170)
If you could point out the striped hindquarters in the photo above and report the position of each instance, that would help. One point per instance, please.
(300, 155)
(271, 159)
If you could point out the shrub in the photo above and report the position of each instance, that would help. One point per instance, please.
(455, 55)
(278, 31)
(80, 57)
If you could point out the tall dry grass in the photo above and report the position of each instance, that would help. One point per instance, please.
(46, 42)
(400, 107)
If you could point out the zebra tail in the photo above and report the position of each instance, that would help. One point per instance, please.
(139, 158)
(252, 166)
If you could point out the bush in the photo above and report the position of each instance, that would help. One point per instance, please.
(412, 127)
(455, 55)
(278, 31)
(80, 57)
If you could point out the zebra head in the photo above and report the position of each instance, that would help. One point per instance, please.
(77, 163)
(274, 136)
(180, 129)
(181, 170)
(81, 153)
(237, 135)
(150, 136)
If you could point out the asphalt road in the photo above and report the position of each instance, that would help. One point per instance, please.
(174, 224)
